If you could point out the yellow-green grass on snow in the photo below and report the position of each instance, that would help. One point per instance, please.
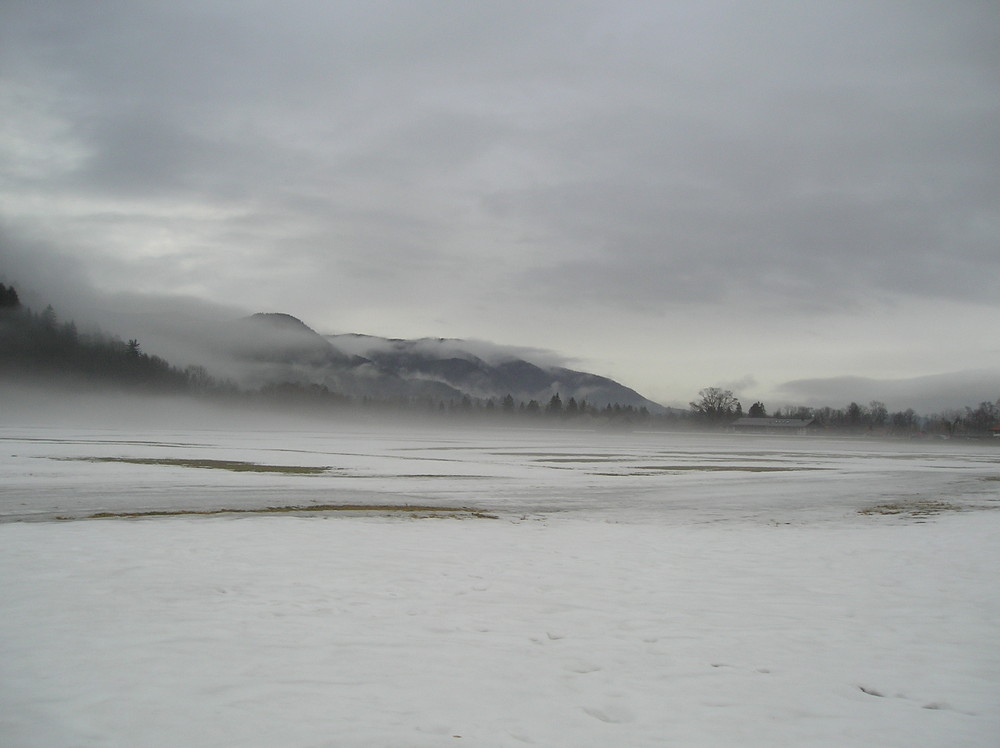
(237, 466)
(417, 510)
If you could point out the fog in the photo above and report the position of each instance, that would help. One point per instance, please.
(71, 403)
(67, 402)
(493, 353)
(926, 395)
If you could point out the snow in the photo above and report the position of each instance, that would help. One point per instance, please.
(633, 590)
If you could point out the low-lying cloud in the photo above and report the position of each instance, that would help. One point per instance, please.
(926, 394)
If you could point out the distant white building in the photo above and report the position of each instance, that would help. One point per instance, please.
(796, 426)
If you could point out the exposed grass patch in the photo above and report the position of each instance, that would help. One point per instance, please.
(416, 510)
(236, 466)
(564, 455)
(728, 468)
(912, 509)
(584, 459)
(102, 442)
(654, 469)
(422, 476)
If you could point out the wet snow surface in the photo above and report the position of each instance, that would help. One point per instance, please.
(632, 590)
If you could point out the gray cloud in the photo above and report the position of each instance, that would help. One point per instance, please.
(422, 166)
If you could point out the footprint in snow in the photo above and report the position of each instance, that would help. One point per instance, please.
(581, 666)
(611, 714)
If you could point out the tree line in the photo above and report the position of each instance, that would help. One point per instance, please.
(41, 345)
(554, 410)
(718, 407)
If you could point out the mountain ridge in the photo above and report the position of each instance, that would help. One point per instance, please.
(281, 346)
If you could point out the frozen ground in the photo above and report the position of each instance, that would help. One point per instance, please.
(632, 590)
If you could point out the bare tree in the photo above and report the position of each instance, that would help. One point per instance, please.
(878, 414)
(982, 418)
(716, 404)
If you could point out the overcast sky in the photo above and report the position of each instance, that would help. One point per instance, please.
(675, 194)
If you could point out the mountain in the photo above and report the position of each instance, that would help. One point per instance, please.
(282, 338)
(279, 347)
(486, 371)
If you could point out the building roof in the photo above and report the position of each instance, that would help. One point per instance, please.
(774, 423)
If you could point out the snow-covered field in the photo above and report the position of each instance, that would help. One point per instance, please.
(627, 590)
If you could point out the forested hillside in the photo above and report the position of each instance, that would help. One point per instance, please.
(39, 346)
